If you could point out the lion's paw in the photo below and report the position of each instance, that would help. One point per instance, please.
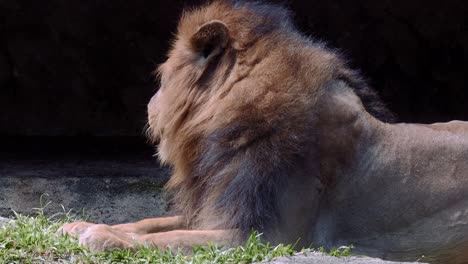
(74, 229)
(99, 238)
(103, 238)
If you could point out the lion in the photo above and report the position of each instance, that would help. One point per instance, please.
(267, 129)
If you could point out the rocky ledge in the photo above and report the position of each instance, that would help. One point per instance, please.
(4, 221)
(318, 258)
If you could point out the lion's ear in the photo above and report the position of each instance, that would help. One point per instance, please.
(210, 39)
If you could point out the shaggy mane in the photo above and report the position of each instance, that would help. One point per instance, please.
(256, 18)
(230, 175)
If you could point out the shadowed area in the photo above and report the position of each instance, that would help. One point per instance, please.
(105, 176)
(83, 68)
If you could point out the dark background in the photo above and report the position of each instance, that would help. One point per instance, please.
(77, 73)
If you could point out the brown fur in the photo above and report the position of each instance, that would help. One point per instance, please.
(258, 89)
(267, 129)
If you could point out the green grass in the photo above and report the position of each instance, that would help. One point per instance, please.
(32, 239)
(344, 251)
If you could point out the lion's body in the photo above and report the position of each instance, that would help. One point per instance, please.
(266, 129)
(403, 194)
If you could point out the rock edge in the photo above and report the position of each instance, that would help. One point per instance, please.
(318, 258)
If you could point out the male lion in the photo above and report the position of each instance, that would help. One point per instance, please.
(269, 130)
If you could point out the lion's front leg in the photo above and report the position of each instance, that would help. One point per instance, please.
(187, 239)
(104, 237)
(100, 237)
(153, 225)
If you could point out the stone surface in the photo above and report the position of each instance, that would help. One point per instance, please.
(317, 258)
(112, 190)
(4, 221)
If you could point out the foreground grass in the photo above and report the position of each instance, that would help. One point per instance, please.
(33, 240)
